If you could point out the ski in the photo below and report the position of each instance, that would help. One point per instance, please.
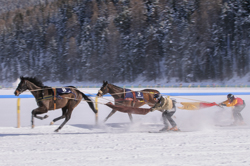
(231, 126)
(164, 131)
(225, 125)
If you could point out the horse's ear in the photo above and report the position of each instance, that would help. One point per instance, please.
(21, 78)
(106, 82)
(103, 82)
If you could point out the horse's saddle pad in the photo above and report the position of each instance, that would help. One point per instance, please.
(60, 91)
(130, 94)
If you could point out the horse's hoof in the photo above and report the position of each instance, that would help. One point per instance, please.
(32, 126)
(46, 116)
(56, 130)
(51, 123)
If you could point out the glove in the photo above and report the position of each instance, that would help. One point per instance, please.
(221, 104)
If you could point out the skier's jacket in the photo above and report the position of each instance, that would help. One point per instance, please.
(236, 102)
(164, 104)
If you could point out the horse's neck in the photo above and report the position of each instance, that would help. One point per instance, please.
(33, 89)
(115, 91)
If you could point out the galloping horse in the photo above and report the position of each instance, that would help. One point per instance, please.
(47, 99)
(119, 94)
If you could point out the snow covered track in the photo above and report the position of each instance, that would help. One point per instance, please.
(118, 142)
(123, 144)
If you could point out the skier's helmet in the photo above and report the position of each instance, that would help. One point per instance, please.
(157, 96)
(230, 96)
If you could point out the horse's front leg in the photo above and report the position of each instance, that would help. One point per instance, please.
(133, 104)
(110, 114)
(130, 117)
(39, 110)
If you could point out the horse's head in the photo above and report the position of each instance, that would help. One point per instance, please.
(22, 86)
(103, 90)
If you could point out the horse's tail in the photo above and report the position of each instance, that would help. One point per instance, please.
(89, 101)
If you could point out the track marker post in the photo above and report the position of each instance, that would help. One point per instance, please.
(18, 113)
(96, 107)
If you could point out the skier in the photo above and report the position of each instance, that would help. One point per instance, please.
(167, 106)
(237, 105)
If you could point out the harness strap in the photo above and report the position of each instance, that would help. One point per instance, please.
(124, 93)
(134, 97)
(42, 93)
(54, 90)
(44, 98)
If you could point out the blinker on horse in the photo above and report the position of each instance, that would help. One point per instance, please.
(47, 99)
(121, 97)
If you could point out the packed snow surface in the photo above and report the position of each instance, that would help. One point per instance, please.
(119, 142)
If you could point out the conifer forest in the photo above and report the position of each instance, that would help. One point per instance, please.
(123, 40)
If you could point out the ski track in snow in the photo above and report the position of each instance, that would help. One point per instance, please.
(75, 145)
(119, 142)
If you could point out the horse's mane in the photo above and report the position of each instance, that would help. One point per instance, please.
(115, 86)
(34, 80)
(71, 86)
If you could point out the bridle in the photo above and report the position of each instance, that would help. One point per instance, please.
(104, 91)
(22, 90)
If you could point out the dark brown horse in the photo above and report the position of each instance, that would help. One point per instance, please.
(47, 99)
(118, 94)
